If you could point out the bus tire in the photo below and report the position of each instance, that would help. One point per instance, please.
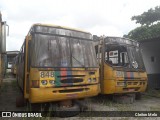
(123, 99)
(138, 96)
(82, 103)
(67, 111)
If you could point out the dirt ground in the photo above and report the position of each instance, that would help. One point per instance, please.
(9, 92)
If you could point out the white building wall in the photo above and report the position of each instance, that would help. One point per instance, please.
(151, 56)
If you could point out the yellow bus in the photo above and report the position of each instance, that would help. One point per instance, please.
(121, 66)
(57, 63)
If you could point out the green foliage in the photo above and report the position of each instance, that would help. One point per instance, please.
(148, 29)
(144, 32)
(149, 17)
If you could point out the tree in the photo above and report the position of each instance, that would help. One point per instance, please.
(144, 32)
(150, 25)
(149, 17)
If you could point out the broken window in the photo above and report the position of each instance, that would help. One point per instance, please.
(116, 55)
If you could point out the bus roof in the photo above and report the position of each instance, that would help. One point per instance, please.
(58, 26)
(122, 40)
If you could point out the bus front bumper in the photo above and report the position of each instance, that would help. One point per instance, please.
(111, 87)
(40, 95)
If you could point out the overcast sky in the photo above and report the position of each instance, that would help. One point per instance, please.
(100, 17)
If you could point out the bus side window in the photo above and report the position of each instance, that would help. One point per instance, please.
(106, 56)
(124, 58)
(28, 49)
(113, 57)
(98, 53)
(23, 52)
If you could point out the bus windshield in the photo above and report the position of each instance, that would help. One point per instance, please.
(123, 56)
(49, 50)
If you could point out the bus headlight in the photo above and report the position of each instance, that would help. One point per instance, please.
(120, 84)
(89, 80)
(94, 80)
(44, 82)
(51, 82)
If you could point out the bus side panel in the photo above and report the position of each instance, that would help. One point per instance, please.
(26, 70)
(108, 81)
(20, 68)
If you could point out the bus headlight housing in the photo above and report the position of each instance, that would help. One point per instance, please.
(44, 82)
(51, 82)
(89, 80)
(120, 84)
(94, 80)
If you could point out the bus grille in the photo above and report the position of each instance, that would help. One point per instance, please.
(72, 90)
(75, 80)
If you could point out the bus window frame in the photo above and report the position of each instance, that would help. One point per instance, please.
(70, 37)
(114, 66)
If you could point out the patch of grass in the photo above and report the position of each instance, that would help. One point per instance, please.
(4, 87)
(6, 75)
(153, 92)
(123, 107)
(11, 83)
(39, 108)
(102, 100)
(109, 103)
(126, 118)
(146, 97)
(154, 108)
(14, 85)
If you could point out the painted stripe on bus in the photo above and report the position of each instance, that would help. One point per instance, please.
(63, 73)
(57, 79)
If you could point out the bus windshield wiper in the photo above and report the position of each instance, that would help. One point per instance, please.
(78, 61)
(71, 55)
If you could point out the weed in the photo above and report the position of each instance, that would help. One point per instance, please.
(4, 87)
(14, 85)
(153, 92)
(154, 108)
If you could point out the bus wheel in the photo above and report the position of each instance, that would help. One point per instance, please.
(138, 96)
(67, 111)
(20, 101)
(123, 99)
(82, 104)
